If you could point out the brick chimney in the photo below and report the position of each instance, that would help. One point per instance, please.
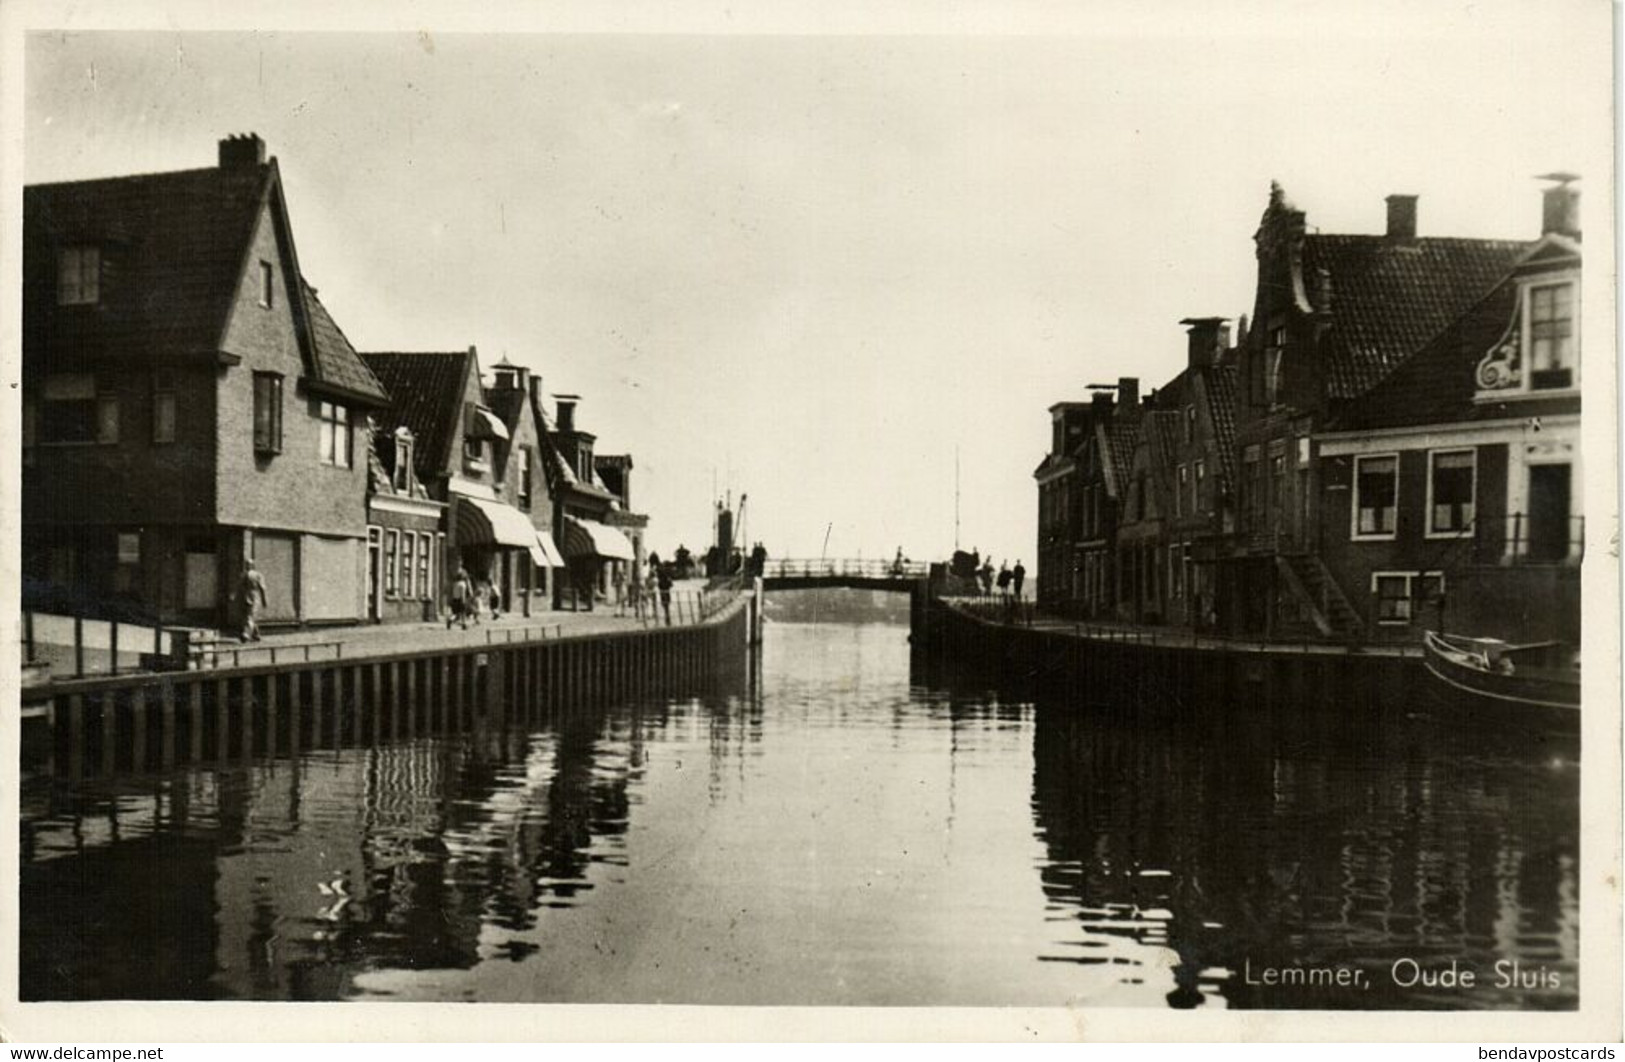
(1560, 206)
(1128, 391)
(243, 151)
(1100, 405)
(1207, 338)
(536, 392)
(1402, 217)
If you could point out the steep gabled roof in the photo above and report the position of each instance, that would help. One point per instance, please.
(337, 362)
(1220, 384)
(1389, 298)
(426, 390)
(1116, 441)
(1438, 385)
(172, 247)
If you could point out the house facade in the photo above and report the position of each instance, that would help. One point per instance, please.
(188, 404)
(1451, 491)
(461, 455)
(1391, 443)
(598, 555)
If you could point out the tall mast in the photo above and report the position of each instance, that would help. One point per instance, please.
(956, 496)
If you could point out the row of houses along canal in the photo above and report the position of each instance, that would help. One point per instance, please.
(937, 811)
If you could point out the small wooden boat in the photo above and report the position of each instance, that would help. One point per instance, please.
(1488, 671)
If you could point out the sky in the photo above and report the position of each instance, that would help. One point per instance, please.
(845, 274)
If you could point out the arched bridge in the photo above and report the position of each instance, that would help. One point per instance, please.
(904, 576)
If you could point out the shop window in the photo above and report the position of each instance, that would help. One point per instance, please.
(336, 434)
(268, 412)
(1551, 337)
(1451, 486)
(78, 276)
(1376, 494)
(163, 407)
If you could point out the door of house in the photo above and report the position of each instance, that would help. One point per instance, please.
(1548, 512)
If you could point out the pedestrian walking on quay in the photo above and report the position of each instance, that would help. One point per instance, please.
(663, 582)
(462, 595)
(1017, 577)
(253, 596)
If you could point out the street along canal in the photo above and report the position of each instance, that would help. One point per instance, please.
(840, 824)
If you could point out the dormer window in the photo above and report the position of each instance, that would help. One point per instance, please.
(1539, 353)
(401, 479)
(78, 276)
(1551, 336)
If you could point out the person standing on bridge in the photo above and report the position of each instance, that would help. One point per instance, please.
(254, 599)
(1004, 578)
(897, 565)
(985, 573)
(1017, 577)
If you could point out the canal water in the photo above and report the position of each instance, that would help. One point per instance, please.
(844, 824)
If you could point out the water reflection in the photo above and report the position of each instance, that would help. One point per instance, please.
(844, 827)
(1315, 843)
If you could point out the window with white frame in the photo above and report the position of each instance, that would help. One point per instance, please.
(409, 550)
(1551, 336)
(401, 478)
(392, 556)
(425, 565)
(336, 434)
(1401, 596)
(267, 284)
(1452, 476)
(78, 276)
(1376, 495)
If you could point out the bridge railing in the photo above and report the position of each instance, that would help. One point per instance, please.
(848, 568)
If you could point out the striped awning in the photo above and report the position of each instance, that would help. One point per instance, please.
(589, 538)
(491, 523)
(550, 555)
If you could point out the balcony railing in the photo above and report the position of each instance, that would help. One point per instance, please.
(1543, 540)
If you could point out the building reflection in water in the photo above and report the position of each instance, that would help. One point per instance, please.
(898, 834)
(286, 878)
(1309, 840)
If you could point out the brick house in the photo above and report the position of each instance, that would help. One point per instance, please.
(457, 449)
(1102, 482)
(596, 553)
(188, 403)
(1334, 316)
(1451, 490)
(521, 470)
(1177, 516)
(1060, 506)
